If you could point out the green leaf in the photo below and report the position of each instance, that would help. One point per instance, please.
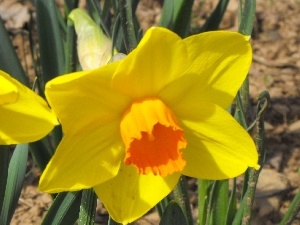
(15, 179)
(94, 10)
(203, 197)
(50, 39)
(41, 151)
(128, 25)
(231, 204)
(9, 61)
(87, 207)
(4, 161)
(71, 4)
(162, 205)
(173, 215)
(292, 212)
(214, 20)
(182, 197)
(176, 15)
(221, 202)
(247, 15)
(64, 210)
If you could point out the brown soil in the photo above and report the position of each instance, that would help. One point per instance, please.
(276, 68)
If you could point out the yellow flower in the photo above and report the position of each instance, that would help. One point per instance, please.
(133, 126)
(24, 116)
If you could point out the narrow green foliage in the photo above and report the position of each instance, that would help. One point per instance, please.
(243, 215)
(221, 202)
(213, 195)
(231, 210)
(242, 101)
(9, 61)
(71, 4)
(94, 10)
(4, 161)
(176, 15)
(126, 16)
(292, 212)
(203, 197)
(87, 207)
(173, 215)
(214, 20)
(162, 205)
(50, 39)
(64, 210)
(182, 198)
(41, 151)
(15, 178)
(247, 14)
(71, 52)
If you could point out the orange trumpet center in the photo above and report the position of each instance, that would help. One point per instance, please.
(152, 138)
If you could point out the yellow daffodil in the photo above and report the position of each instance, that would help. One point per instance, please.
(133, 126)
(24, 116)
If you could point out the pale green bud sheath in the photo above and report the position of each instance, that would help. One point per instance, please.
(93, 46)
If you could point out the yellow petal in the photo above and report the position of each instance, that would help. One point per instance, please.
(8, 91)
(80, 99)
(26, 118)
(130, 195)
(94, 48)
(218, 65)
(217, 146)
(84, 159)
(158, 60)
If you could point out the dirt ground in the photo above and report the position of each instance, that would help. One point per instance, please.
(276, 68)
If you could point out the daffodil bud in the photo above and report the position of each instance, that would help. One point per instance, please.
(93, 46)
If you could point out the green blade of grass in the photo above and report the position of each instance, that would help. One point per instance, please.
(221, 202)
(4, 162)
(50, 39)
(292, 212)
(126, 16)
(182, 197)
(176, 16)
(9, 61)
(64, 210)
(87, 207)
(173, 215)
(203, 197)
(214, 20)
(231, 205)
(15, 179)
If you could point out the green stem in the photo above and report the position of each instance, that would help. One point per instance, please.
(87, 207)
(263, 102)
(127, 24)
(181, 196)
(247, 12)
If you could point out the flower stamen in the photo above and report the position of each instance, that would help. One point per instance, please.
(153, 138)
